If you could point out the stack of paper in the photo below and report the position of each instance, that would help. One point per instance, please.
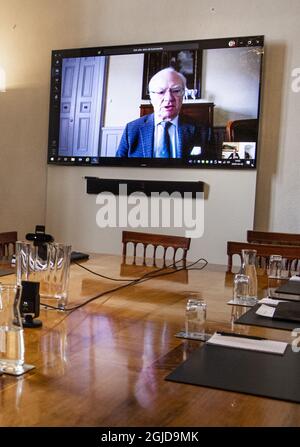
(244, 342)
(295, 278)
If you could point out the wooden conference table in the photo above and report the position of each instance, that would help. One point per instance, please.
(104, 364)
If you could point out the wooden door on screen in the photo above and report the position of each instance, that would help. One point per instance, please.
(81, 106)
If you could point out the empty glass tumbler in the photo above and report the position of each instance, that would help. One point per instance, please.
(241, 285)
(275, 266)
(275, 278)
(11, 330)
(249, 269)
(195, 318)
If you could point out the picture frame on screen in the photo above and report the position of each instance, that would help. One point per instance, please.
(188, 62)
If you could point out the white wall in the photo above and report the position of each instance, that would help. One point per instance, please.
(123, 98)
(30, 29)
(228, 208)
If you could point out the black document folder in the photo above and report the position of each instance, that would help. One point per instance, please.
(287, 311)
(252, 319)
(291, 287)
(239, 370)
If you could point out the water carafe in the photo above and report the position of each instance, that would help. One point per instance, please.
(48, 264)
(249, 269)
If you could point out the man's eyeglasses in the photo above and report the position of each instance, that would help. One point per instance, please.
(175, 91)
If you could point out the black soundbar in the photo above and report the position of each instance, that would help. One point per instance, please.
(96, 185)
(79, 256)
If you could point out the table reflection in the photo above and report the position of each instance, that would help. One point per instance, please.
(133, 271)
(53, 345)
(7, 265)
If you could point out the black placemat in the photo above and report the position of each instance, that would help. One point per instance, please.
(250, 372)
(252, 319)
(290, 287)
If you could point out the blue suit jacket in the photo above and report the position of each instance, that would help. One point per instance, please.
(138, 138)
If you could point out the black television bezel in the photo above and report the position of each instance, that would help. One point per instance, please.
(171, 163)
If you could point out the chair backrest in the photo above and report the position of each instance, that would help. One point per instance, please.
(264, 237)
(242, 130)
(8, 243)
(291, 253)
(156, 240)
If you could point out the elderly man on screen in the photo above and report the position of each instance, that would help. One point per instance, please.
(164, 133)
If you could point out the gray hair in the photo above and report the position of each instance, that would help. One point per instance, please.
(168, 70)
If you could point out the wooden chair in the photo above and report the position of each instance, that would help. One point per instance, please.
(242, 130)
(264, 237)
(288, 252)
(8, 243)
(156, 240)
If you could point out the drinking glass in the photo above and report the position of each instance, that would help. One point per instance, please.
(275, 266)
(11, 330)
(241, 285)
(195, 318)
(275, 278)
(249, 269)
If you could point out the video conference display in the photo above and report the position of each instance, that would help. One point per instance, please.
(191, 104)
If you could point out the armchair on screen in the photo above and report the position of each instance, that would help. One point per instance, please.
(242, 130)
(153, 244)
(8, 243)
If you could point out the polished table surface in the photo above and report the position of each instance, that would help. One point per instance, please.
(105, 363)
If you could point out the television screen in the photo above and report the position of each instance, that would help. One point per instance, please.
(188, 104)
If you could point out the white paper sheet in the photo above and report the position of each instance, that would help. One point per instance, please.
(265, 311)
(295, 278)
(276, 347)
(270, 301)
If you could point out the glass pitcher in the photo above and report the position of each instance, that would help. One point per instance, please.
(48, 264)
(249, 269)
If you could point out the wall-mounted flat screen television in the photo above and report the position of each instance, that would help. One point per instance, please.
(192, 104)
